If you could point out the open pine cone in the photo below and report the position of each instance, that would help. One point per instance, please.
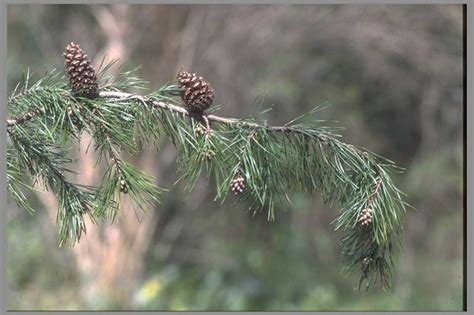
(238, 184)
(82, 77)
(198, 94)
(366, 216)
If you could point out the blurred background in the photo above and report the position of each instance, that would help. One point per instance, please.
(393, 74)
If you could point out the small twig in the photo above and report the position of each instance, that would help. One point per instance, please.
(115, 159)
(366, 215)
(25, 117)
(118, 167)
(375, 193)
(208, 125)
(115, 156)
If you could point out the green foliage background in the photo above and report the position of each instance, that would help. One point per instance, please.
(393, 75)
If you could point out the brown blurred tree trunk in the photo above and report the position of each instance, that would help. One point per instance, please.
(110, 256)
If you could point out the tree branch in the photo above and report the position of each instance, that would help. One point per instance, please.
(276, 159)
(25, 117)
(209, 117)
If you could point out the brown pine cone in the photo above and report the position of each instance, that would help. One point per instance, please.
(365, 217)
(197, 94)
(82, 77)
(238, 184)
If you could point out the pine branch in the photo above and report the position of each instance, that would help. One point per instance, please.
(209, 117)
(263, 164)
(25, 117)
(45, 161)
(348, 175)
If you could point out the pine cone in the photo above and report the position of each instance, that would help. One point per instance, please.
(124, 186)
(200, 130)
(74, 119)
(198, 94)
(365, 217)
(82, 77)
(238, 184)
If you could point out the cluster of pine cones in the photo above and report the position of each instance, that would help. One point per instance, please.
(238, 184)
(365, 217)
(124, 186)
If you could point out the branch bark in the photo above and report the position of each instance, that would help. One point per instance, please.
(24, 118)
(210, 117)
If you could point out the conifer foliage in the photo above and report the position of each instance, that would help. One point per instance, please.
(248, 159)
